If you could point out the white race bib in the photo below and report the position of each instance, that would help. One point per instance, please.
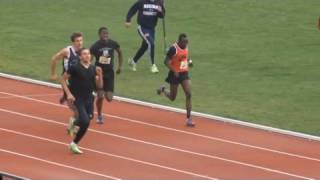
(184, 65)
(104, 60)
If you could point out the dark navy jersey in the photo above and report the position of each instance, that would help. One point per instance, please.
(82, 80)
(148, 12)
(103, 51)
(72, 59)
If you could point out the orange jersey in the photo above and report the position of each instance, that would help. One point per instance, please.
(179, 61)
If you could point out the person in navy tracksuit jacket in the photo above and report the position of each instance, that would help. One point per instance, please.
(148, 13)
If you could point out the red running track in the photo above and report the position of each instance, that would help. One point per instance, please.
(138, 142)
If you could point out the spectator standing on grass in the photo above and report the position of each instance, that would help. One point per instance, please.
(148, 13)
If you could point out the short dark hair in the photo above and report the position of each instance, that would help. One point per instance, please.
(75, 35)
(81, 50)
(181, 36)
(102, 28)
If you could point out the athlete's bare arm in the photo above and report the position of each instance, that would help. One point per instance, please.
(66, 89)
(120, 60)
(167, 62)
(57, 57)
(99, 78)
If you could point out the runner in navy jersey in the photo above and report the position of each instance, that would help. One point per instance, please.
(69, 57)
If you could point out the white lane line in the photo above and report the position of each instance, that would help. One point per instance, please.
(232, 122)
(179, 131)
(58, 164)
(111, 155)
(31, 95)
(161, 146)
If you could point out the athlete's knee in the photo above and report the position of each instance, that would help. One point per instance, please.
(172, 97)
(100, 99)
(83, 119)
(90, 116)
(188, 95)
(86, 121)
(109, 96)
(100, 95)
(83, 123)
(144, 45)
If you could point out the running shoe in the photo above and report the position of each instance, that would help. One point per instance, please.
(161, 90)
(154, 69)
(100, 119)
(132, 64)
(190, 123)
(74, 148)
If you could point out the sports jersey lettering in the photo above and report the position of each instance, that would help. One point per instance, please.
(149, 13)
(151, 6)
(151, 9)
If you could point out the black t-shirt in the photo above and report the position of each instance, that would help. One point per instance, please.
(82, 80)
(103, 51)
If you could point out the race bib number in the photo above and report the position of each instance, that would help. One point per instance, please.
(184, 65)
(104, 60)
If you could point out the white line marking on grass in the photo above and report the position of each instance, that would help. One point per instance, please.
(111, 155)
(179, 131)
(57, 164)
(161, 146)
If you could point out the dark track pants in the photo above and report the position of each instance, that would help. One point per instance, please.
(148, 38)
(84, 111)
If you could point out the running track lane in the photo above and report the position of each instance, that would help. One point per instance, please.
(178, 139)
(124, 148)
(274, 160)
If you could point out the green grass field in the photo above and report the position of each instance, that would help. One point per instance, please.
(254, 60)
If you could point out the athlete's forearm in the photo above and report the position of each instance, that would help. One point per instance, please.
(64, 84)
(167, 62)
(59, 56)
(132, 11)
(99, 80)
(120, 58)
(53, 65)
